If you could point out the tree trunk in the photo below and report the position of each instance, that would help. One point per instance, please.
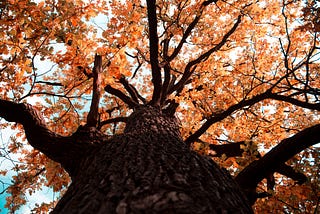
(149, 169)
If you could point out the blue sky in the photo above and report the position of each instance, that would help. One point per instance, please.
(2, 203)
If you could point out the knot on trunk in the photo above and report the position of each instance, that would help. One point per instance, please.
(146, 118)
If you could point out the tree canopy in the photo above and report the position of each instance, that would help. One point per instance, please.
(241, 76)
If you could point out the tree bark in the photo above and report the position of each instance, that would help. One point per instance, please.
(149, 169)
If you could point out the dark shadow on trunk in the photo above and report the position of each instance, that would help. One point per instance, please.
(149, 169)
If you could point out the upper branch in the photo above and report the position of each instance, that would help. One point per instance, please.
(189, 29)
(203, 57)
(154, 50)
(93, 116)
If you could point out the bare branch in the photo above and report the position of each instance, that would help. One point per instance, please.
(130, 89)
(131, 103)
(313, 106)
(93, 116)
(50, 83)
(49, 94)
(138, 61)
(249, 177)
(288, 171)
(235, 150)
(2, 69)
(144, 101)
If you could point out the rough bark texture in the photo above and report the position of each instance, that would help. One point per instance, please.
(149, 169)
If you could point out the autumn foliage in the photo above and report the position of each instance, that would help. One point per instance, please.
(241, 74)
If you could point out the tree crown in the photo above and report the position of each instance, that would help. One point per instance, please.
(237, 73)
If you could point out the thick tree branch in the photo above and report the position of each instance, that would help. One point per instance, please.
(166, 83)
(288, 171)
(93, 116)
(130, 89)
(126, 99)
(313, 106)
(50, 83)
(2, 69)
(54, 146)
(113, 120)
(249, 177)
(68, 151)
(167, 71)
(234, 150)
(154, 50)
(230, 149)
(144, 101)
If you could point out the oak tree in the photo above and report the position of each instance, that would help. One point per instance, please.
(164, 106)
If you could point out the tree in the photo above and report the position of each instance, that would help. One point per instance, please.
(138, 112)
